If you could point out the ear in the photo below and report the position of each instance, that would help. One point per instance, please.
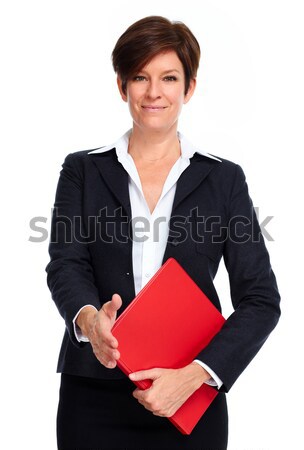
(123, 95)
(191, 90)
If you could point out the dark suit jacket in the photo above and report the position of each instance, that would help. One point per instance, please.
(212, 216)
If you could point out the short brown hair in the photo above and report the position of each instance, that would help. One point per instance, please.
(150, 36)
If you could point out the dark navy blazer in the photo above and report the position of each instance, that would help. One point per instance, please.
(212, 216)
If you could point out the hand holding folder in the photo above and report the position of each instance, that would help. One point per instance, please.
(167, 324)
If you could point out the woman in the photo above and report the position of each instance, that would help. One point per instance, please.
(120, 212)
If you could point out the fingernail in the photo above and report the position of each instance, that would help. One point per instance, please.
(132, 376)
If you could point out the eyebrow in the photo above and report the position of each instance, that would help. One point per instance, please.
(171, 70)
(164, 72)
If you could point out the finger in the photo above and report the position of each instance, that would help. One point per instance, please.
(116, 301)
(111, 354)
(108, 355)
(108, 339)
(105, 361)
(138, 395)
(111, 307)
(108, 364)
(102, 332)
(102, 350)
(150, 374)
(156, 413)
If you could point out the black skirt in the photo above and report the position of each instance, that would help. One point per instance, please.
(96, 414)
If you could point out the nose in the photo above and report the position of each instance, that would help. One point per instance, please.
(153, 89)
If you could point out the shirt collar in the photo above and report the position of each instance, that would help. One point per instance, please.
(121, 147)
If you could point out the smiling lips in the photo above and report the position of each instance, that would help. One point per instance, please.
(153, 108)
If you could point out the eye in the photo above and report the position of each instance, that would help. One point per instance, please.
(139, 78)
(170, 78)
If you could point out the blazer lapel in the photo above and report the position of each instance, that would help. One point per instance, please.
(199, 168)
(114, 176)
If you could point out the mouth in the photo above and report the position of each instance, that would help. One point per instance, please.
(153, 108)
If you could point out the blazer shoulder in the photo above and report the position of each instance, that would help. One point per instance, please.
(232, 176)
(80, 164)
(83, 158)
(83, 154)
(231, 168)
(224, 167)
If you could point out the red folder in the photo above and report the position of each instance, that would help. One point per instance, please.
(167, 324)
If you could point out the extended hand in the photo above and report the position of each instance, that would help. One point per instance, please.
(170, 387)
(97, 327)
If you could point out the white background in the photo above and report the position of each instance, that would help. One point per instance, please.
(58, 95)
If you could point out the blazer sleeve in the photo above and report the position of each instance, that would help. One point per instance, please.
(253, 288)
(70, 276)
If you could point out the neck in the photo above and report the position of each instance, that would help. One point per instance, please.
(154, 146)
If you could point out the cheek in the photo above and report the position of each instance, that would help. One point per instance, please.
(176, 96)
(135, 93)
(178, 100)
(133, 99)
(132, 105)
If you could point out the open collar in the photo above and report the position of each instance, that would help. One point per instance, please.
(121, 147)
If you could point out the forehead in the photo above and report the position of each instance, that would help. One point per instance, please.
(165, 61)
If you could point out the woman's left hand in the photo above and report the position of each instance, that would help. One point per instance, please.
(170, 387)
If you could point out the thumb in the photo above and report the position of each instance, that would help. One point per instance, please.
(151, 374)
(111, 307)
(116, 302)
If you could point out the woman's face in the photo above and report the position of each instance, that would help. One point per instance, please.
(156, 94)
